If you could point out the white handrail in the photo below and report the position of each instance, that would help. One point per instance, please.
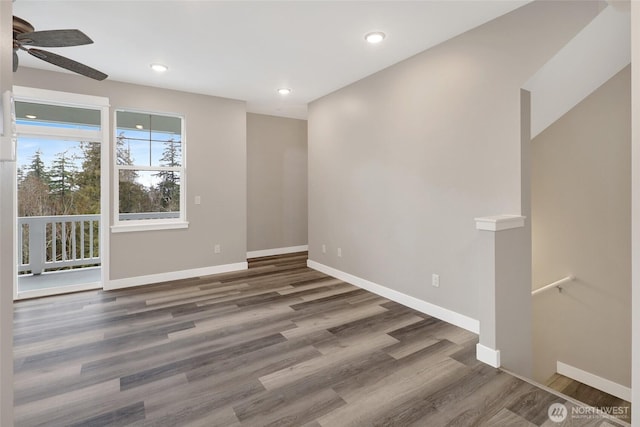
(557, 284)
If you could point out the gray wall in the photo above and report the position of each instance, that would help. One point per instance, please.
(581, 211)
(400, 163)
(635, 176)
(216, 170)
(276, 182)
(635, 227)
(7, 172)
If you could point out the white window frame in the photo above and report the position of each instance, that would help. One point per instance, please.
(120, 226)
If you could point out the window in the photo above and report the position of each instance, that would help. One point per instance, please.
(149, 171)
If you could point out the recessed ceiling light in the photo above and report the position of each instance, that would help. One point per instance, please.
(375, 37)
(284, 91)
(160, 68)
(31, 116)
(139, 127)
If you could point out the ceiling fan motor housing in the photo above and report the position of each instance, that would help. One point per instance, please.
(20, 26)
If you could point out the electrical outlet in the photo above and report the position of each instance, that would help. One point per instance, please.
(339, 252)
(197, 200)
(217, 249)
(324, 249)
(435, 280)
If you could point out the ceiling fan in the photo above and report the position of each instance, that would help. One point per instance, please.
(24, 37)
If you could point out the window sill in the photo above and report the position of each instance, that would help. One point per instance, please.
(144, 226)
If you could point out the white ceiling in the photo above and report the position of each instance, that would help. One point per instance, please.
(248, 49)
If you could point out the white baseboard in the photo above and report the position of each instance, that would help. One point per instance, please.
(277, 251)
(488, 355)
(441, 313)
(174, 275)
(594, 381)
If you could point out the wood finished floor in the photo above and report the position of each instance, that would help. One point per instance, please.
(276, 345)
(589, 395)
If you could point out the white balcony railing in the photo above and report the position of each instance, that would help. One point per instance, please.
(54, 242)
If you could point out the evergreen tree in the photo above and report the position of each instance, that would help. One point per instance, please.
(33, 188)
(88, 180)
(37, 167)
(62, 182)
(133, 196)
(87, 197)
(123, 157)
(169, 185)
(21, 174)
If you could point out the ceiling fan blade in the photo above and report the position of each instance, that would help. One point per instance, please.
(68, 64)
(54, 38)
(15, 61)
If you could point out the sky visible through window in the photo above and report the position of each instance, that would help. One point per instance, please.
(146, 148)
(142, 151)
(50, 148)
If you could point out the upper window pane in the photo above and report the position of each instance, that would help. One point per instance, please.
(163, 127)
(148, 139)
(28, 113)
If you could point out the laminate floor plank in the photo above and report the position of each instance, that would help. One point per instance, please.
(591, 396)
(222, 418)
(507, 418)
(406, 348)
(91, 402)
(330, 319)
(287, 408)
(195, 401)
(278, 344)
(398, 386)
(311, 284)
(528, 405)
(487, 399)
(193, 348)
(56, 403)
(196, 295)
(185, 365)
(37, 377)
(383, 323)
(324, 363)
(117, 344)
(121, 416)
(442, 397)
(263, 361)
(56, 344)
